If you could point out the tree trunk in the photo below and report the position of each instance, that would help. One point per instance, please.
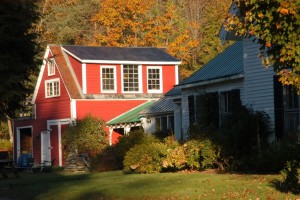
(11, 138)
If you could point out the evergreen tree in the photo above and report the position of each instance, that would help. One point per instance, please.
(18, 53)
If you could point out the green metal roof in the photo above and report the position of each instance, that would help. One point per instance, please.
(226, 64)
(130, 116)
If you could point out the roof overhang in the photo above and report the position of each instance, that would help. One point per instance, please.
(131, 117)
(213, 81)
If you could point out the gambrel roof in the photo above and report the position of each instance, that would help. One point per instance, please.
(90, 54)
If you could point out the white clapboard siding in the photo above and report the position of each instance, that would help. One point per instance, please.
(258, 83)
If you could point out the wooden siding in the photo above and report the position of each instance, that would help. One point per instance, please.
(94, 79)
(217, 87)
(106, 109)
(55, 107)
(169, 78)
(259, 89)
(77, 68)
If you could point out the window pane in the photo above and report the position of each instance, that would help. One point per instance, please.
(131, 78)
(153, 79)
(108, 79)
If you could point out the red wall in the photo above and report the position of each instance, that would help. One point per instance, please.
(169, 79)
(94, 80)
(106, 110)
(55, 107)
(77, 67)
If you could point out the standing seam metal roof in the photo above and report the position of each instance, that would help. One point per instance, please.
(227, 63)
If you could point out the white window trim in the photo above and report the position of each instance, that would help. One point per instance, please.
(140, 80)
(115, 79)
(160, 79)
(51, 63)
(49, 81)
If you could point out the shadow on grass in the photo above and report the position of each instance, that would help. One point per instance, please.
(34, 185)
(276, 184)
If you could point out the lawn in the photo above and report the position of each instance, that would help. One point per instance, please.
(116, 185)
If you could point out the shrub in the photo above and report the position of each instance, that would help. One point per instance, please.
(86, 136)
(192, 152)
(175, 158)
(209, 154)
(290, 176)
(128, 141)
(5, 145)
(145, 158)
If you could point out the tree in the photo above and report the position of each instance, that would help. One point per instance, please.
(276, 26)
(18, 54)
(68, 21)
(144, 23)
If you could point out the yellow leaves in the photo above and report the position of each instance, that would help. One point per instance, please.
(260, 15)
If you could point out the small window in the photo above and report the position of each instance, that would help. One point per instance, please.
(51, 67)
(154, 79)
(225, 102)
(52, 88)
(108, 79)
(131, 78)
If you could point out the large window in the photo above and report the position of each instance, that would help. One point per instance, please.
(51, 68)
(131, 78)
(108, 79)
(52, 88)
(154, 79)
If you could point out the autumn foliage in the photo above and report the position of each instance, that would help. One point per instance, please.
(276, 25)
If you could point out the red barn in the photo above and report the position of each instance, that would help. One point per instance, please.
(112, 83)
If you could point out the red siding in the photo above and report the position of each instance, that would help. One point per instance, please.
(93, 78)
(168, 78)
(144, 77)
(52, 108)
(106, 110)
(77, 67)
(119, 79)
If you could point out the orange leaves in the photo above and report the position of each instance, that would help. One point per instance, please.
(284, 11)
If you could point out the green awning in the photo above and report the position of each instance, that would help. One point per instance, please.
(130, 116)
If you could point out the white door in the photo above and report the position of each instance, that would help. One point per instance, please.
(45, 146)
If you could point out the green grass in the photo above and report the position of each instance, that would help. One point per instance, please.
(116, 185)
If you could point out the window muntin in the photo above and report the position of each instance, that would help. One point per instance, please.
(154, 79)
(108, 79)
(131, 78)
(52, 88)
(51, 67)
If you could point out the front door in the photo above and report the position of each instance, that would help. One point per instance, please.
(45, 146)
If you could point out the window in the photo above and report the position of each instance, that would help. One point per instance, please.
(131, 78)
(51, 68)
(154, 79)
(291, 109)
(52, 88)
(108, 79)
(225, 102)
